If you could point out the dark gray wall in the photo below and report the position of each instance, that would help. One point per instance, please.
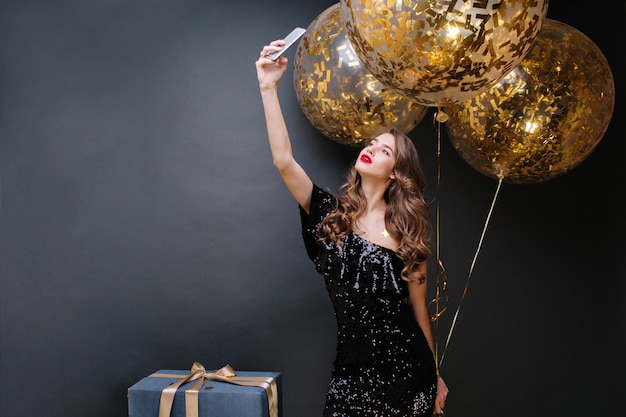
(144, 227)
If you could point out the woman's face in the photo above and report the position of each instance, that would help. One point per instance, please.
(378, 158)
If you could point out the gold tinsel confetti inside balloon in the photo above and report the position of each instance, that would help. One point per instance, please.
(545, 117)
(337, 93)
(440, 52)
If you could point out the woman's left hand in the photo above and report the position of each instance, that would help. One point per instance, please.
(442, 394)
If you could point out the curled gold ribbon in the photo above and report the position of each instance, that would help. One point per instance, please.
(200, 375)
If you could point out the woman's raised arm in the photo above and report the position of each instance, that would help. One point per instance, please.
(269, 74)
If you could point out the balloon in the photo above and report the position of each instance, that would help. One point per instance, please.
(337, 94)
(545, 117)
(440, 52)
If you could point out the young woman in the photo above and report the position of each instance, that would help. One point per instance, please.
(371, 244)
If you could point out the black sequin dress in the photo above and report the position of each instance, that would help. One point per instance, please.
(384, 366)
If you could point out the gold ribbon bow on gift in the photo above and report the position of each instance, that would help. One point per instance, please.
(200, 375)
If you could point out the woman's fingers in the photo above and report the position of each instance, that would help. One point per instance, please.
(272, 47)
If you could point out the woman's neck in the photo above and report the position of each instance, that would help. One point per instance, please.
(375, 196)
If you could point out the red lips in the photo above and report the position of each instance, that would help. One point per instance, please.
(366, 159)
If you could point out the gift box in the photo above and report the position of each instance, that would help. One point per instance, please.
(200, 393)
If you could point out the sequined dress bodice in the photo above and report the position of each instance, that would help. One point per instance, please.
(383, 366)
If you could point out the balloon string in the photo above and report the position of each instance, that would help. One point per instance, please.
(456, 314)
(441, 278)
(438, 240)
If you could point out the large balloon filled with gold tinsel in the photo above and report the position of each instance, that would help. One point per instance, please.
(545, 117)
(440, 52)
(337, 93)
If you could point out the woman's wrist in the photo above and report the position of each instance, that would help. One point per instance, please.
(268, 87)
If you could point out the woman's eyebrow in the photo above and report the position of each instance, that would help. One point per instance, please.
(388, 147)
(374, 140)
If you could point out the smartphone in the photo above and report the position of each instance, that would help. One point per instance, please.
(290, 39)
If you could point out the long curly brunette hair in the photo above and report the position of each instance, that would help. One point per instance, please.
(407, 217)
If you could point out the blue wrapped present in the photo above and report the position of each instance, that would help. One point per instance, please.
(201, 393)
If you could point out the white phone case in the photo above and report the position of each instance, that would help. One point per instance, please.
(290, 39)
